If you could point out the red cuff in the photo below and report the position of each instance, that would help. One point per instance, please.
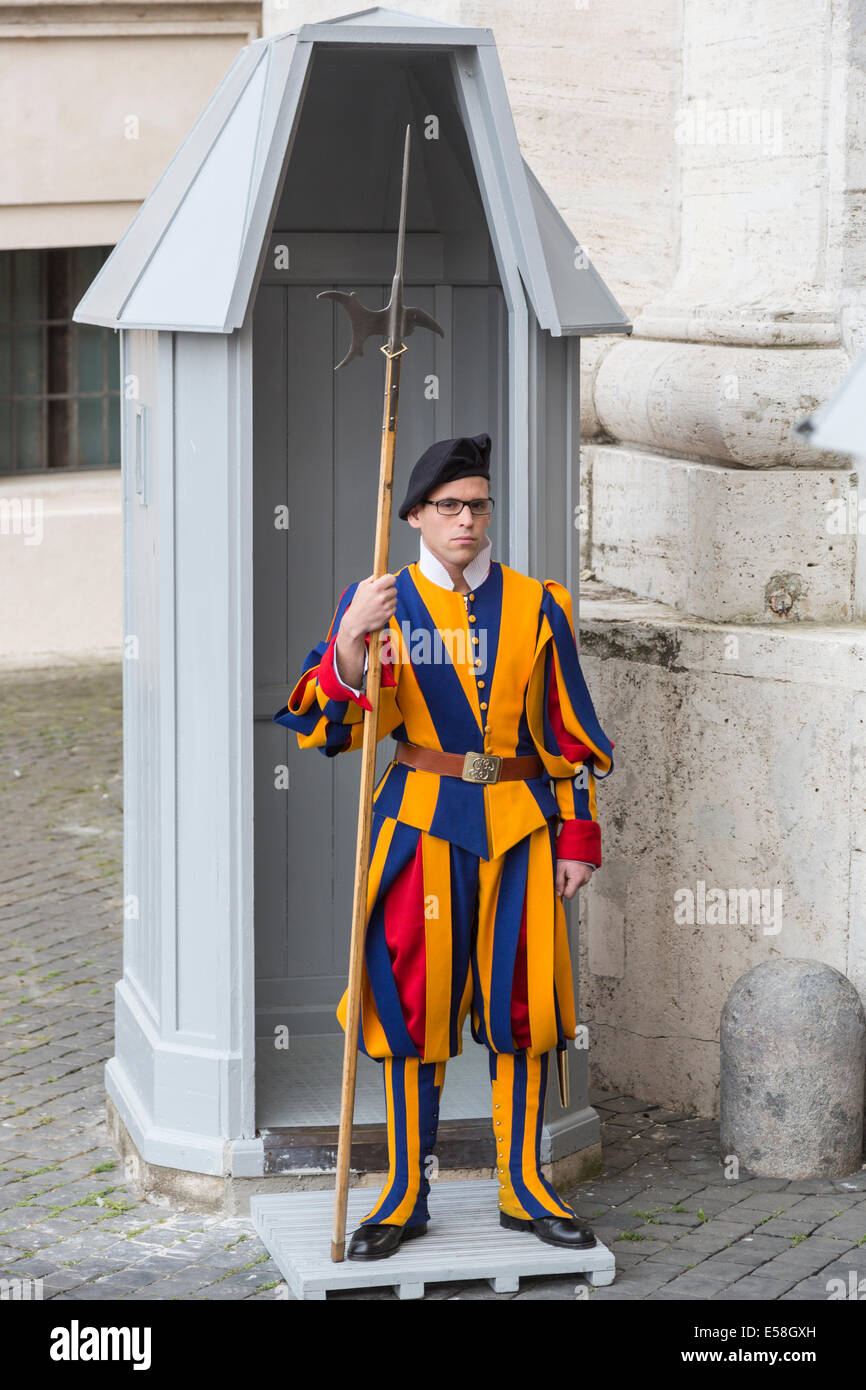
(580, 839)
(334, 689)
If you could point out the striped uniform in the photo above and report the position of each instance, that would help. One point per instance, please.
(462, 913)
(412, 1094)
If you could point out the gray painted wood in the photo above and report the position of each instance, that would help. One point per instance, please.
(838, 424)
(464, 1241)
(554, 540)
(182, 1073)
(106, 298)
(145, 544)
(582, 303)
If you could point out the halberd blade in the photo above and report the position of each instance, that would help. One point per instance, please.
(419, 318)
(364, 321)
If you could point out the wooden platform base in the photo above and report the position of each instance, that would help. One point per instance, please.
(464, 1241)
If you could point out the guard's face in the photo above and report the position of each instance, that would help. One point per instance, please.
(455, 539)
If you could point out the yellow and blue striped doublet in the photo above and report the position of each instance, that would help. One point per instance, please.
(503, 677)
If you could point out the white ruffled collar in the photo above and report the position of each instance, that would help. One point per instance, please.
(475, 572)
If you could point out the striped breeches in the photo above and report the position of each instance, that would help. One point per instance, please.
(412, 1092)
(449, 933)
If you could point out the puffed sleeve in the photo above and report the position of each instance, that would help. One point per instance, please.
(573, 746)
(325, 713)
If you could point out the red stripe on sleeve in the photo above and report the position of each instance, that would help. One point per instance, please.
(571, 747)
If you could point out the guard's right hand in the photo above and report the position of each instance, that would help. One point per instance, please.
(373, 605)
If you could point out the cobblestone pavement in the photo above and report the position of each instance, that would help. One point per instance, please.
(68, 1217)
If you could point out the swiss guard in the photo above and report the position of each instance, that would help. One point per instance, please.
(482, 823)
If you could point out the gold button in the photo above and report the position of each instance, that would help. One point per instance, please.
(483, 705)
(472, 617)
(471, 595)
(474, 639)
(480, 685)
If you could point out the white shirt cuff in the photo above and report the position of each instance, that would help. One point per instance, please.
(340, 678)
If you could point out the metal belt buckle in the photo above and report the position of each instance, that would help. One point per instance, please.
(481, 767)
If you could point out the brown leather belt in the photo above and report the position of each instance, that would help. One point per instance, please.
(471, 767)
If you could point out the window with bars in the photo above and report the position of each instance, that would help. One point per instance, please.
(59, 380)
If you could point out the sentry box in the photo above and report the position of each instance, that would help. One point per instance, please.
(249, 490)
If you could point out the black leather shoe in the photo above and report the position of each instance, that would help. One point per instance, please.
(380, 1239)
(553, 1230)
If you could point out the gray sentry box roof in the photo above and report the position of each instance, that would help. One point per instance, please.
(228, 173)
(840, 424)
(249, 481)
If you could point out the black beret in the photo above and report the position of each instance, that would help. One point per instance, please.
(467, 457)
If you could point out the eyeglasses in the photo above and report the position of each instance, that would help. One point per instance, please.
(452, 506)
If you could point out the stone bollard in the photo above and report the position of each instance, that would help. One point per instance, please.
(793, 1060)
